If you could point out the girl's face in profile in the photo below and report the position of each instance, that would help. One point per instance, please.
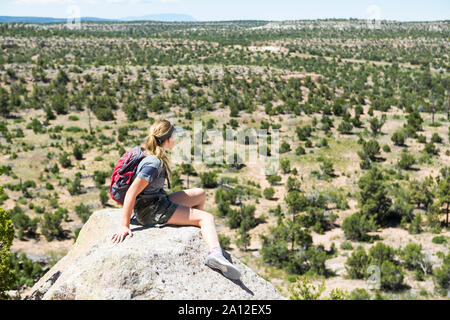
(171, 142)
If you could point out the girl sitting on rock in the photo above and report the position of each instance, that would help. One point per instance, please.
(154, 207)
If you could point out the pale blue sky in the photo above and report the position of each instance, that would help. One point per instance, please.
(202, 10)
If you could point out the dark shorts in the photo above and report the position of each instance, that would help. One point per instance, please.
(154, 210)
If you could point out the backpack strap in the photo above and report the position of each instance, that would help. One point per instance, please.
(167, 177)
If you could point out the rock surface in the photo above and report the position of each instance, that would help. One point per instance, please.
(156, 263)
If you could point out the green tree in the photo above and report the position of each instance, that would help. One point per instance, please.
(358, 225)
(7, 276)
(104, 197)
(27, 271)
(99, 178)
(398, 137)
(414, 123)
(414, 259)
(415, 226)
(208, 179)
(370, 150)
(243, 240)
(24, 224)
(391, 276)
(380, 253)
(441, 276)
(4, 102)
(75, 186)
(356, 265)
(406, 161)
(273, 179)
(293, 184)
(345, 127)
(285, 165)
(327, 168)
(443, 194)
(430, 149)
(376, 124)
(51, 225)
(77, 151)
(268, 193)
(64, 160)
(83, 211)
(373, 196)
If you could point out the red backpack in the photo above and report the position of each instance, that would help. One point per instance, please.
(124, 173)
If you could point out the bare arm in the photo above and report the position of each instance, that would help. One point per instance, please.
(136, 188)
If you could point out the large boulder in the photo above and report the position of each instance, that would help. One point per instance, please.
(156, 263)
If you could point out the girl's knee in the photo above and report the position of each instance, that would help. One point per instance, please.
(200, 192)
(207, 217)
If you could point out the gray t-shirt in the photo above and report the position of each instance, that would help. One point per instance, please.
(151, 169)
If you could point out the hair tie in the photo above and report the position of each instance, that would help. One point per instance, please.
(166, 136)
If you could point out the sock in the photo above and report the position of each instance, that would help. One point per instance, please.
(216, 249)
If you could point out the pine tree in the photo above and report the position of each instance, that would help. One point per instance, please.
(443, 194)
(7, 276)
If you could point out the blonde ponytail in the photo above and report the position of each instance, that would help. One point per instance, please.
(152, 146)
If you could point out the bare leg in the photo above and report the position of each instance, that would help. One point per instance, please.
(194, 197)
(194, 217)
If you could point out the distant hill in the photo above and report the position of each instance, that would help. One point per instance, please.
(166, 17)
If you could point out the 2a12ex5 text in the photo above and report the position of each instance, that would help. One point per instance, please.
(224, 309)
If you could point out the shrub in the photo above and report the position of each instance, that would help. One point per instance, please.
(75, 186)
(439, 239)
(359, 294)
(370, 150)
(391, 276)
(357, 226)
(274, 251)
(7, 275)
(441, 276)
(273, 179)
(302, 290)
(357, 263)
(317, 218)
(77, 151)
(346, 245)
(208, 179)
(64, 160)
(51, 225)
(27, 272)
(224, 241)
(285, 165)
(380, 253)
(398, 137)
(25, 224)
(406, 161)
(435, 138)
(83, 211)
(104, 197)
(414, 259)
(73, 129)
(269, 192)
(431, 149)
(316, 258)
(300, 151)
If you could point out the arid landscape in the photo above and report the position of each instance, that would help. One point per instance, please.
(363, 120)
